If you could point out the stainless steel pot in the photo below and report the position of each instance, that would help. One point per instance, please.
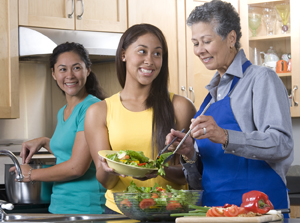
(26, 193)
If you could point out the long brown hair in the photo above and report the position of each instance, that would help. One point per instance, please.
(159, 98)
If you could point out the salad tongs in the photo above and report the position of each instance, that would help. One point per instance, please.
(186, 135)
(167, 146)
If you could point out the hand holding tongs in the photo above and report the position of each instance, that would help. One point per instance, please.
(167, 146)
(186, 135)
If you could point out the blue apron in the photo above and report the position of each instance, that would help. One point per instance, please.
(227, 177)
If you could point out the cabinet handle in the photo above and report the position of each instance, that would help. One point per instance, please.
(183, 89)
(71, 15)
(82, 6)
(295, 102)
(192, 90)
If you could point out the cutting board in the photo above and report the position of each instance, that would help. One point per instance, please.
(263, 218)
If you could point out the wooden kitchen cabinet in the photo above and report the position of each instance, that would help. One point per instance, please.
(162, 14)
(193, 75)
(282, 43)
(9, 63)
(91, 15)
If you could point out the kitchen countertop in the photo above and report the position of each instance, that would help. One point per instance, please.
(121, 219)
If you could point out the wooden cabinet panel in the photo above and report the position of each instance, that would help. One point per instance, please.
(9, 61)
(48, 14)
(92, 15)
(162, 14)
(102, 15)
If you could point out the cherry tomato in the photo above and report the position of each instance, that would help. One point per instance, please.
(173, 206)
(231, 211)
(125, 203)
(217, 211)
(146, 203)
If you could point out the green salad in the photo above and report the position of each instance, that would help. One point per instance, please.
(138, 159)
(145, 203)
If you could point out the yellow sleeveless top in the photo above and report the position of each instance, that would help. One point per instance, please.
(132, 131)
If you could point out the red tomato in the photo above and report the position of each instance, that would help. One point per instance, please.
(231, 211)
(217, 211)
(126, 203)
(209, 214)
(173, 206)
(141, 164)
(146, 203)
(160, 189)
(242, 210)
(154, 195)
(226, 205)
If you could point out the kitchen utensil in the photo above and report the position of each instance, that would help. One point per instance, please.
(186, 135)
(254, 20)
(27, 193)
(129, 204)
(284, 13)
(125, 169)
(167, 146)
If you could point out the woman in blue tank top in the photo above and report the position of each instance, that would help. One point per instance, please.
(75, 188)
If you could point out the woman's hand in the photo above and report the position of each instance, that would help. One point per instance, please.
(29, 148)
(187, 147)
(107, 169)
(212, 131)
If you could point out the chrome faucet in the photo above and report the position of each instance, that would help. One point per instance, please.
(19, 176)
(4, 205)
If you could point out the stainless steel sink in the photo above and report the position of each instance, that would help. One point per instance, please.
(60, 217)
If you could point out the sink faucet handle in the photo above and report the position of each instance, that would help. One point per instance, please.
(7, 206)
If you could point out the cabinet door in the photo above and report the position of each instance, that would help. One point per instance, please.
(9, 63)
(101, 15)
(162, 14)
(49, 14)
(197, 74)
(282, 43)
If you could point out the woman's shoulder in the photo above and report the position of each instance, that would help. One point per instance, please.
(182, 103)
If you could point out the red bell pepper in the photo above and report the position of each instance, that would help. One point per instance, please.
(257, 202)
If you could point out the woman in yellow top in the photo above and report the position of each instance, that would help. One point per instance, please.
(140, 116)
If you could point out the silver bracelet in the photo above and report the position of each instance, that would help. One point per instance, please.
(29, 176)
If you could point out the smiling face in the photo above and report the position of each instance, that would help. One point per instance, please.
(143, 59)
(70, 73)
(214, 52)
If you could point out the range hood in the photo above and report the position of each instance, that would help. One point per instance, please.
(36, 44)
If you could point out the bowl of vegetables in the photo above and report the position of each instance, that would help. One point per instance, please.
(133, 163)
(155, 203)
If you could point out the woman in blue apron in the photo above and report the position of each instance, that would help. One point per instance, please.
(244, 140)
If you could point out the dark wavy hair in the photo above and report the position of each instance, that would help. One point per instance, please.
(92, 85)
(221, 15)
(159, 98)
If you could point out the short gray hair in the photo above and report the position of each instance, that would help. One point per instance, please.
(221, 15)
